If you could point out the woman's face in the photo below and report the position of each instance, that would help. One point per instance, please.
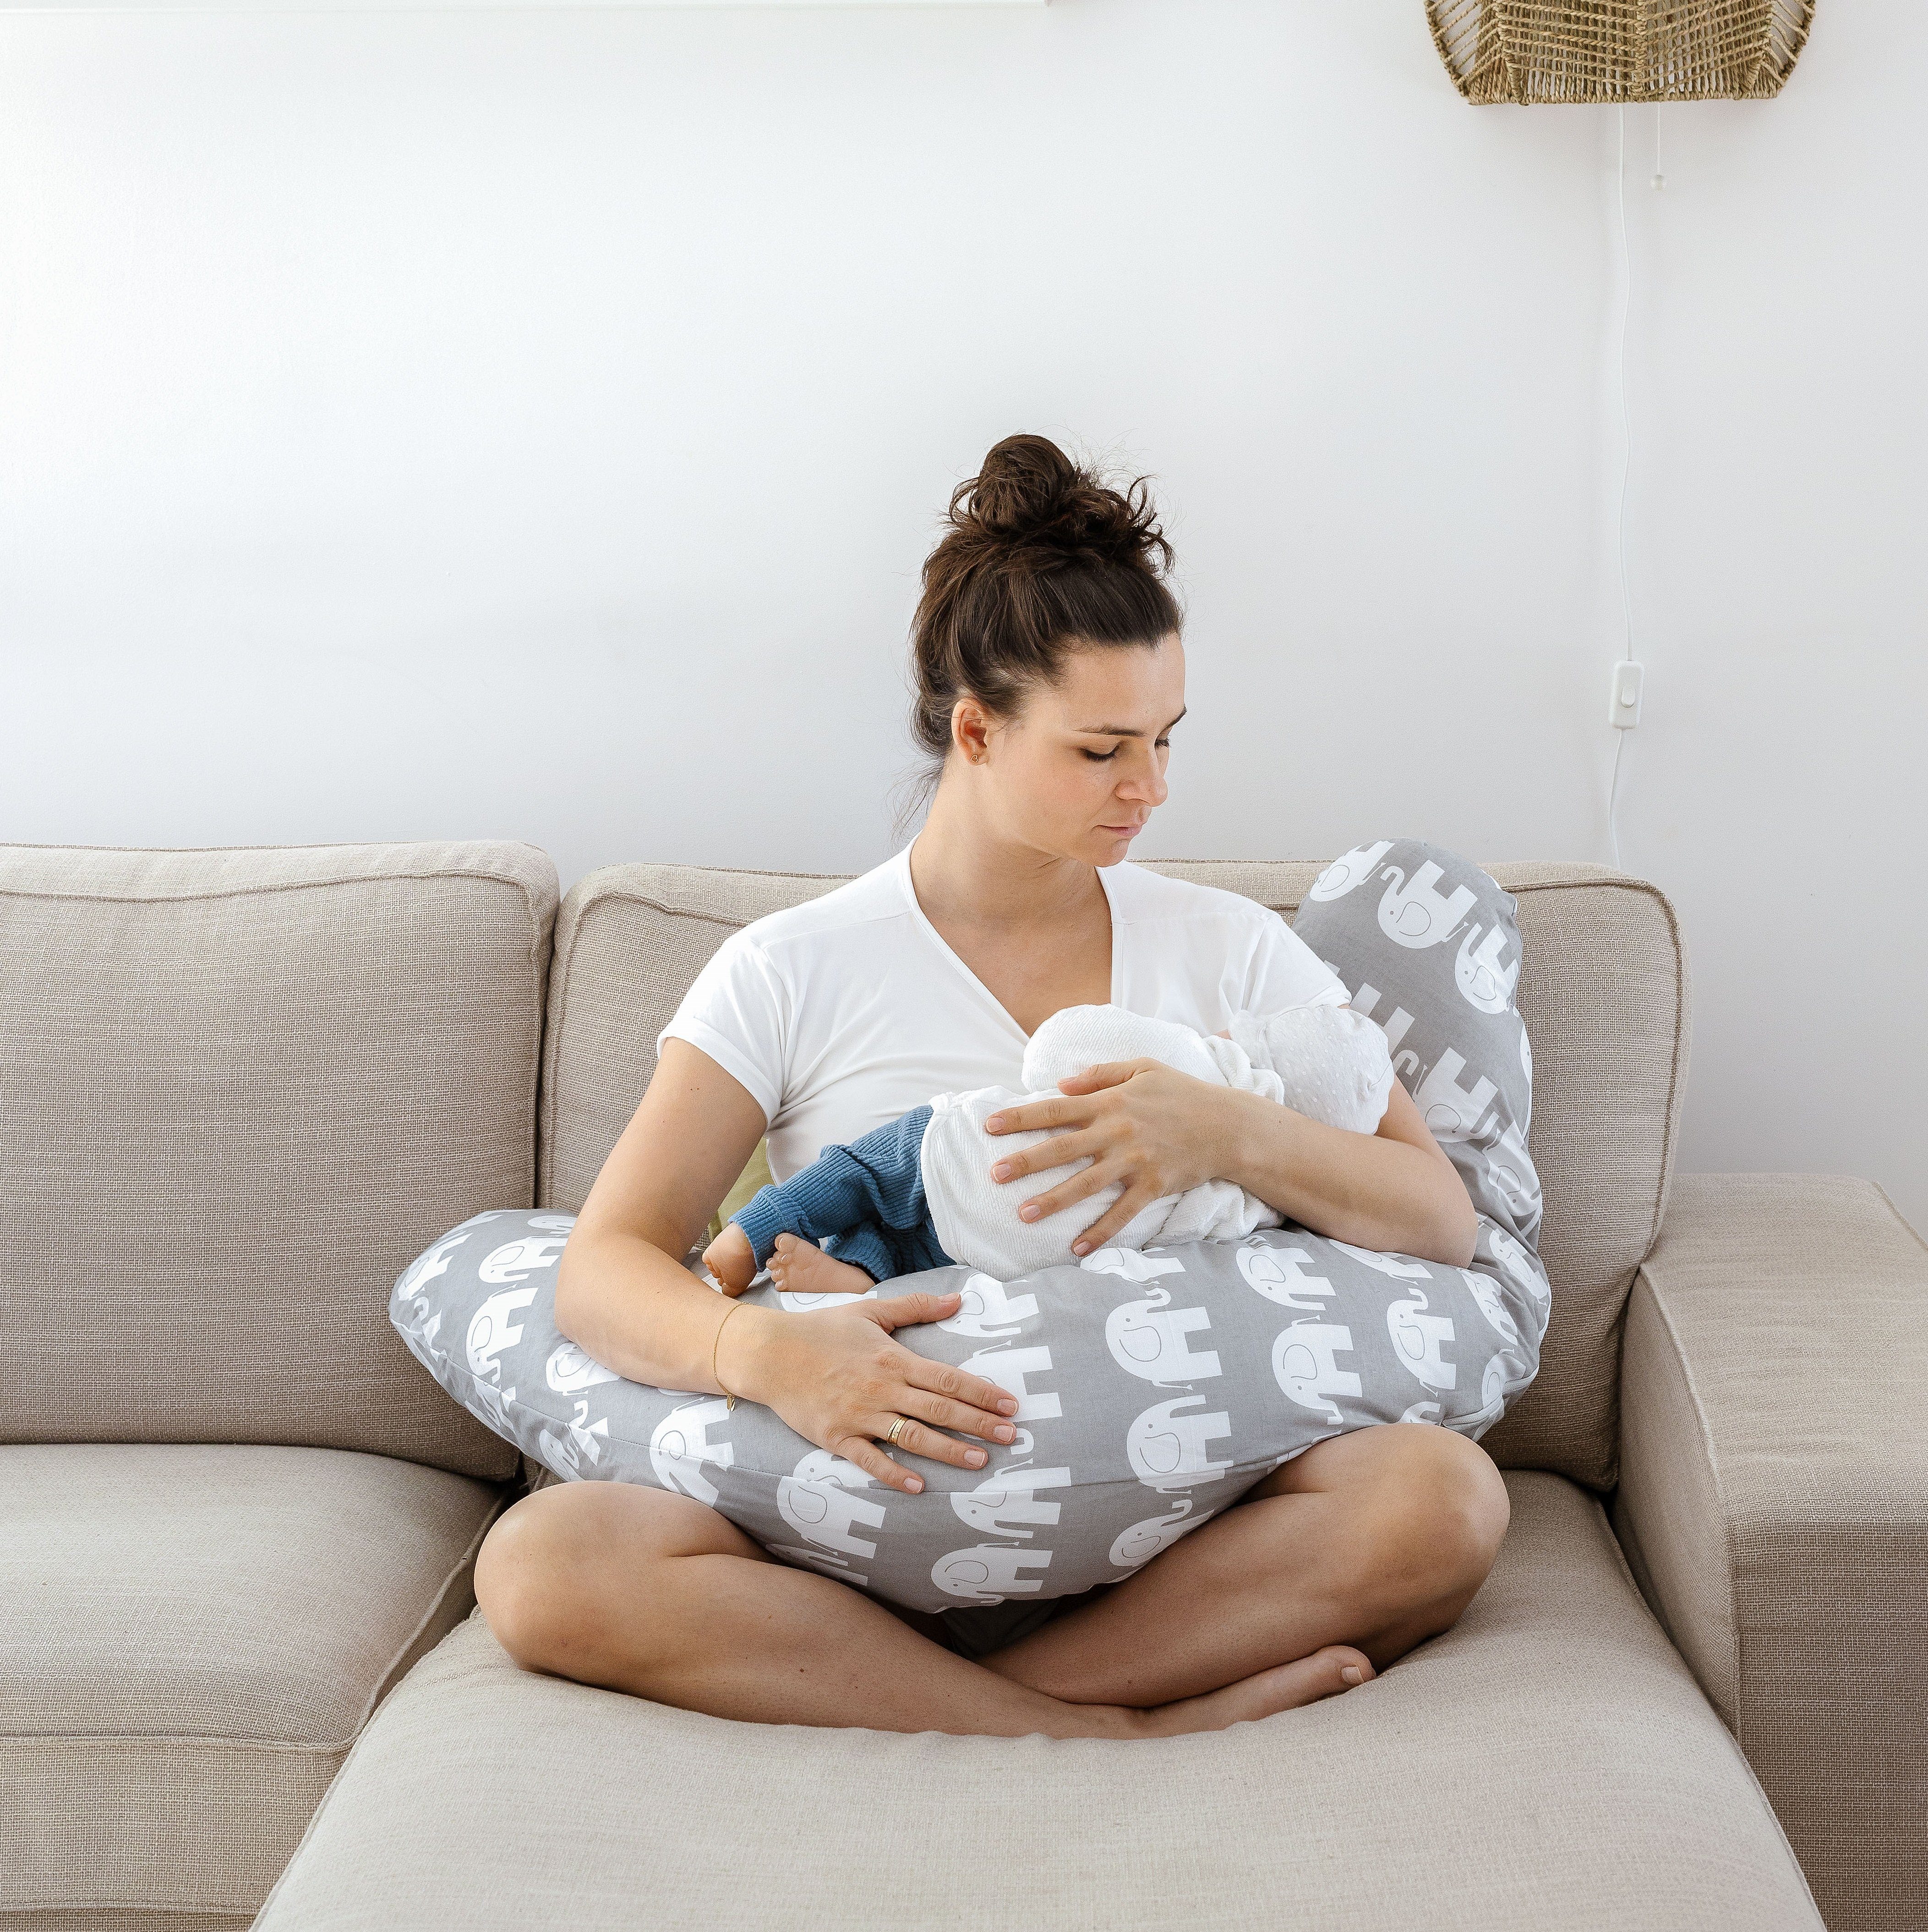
(1081, 767)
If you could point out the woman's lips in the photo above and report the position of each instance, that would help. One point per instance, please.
(1123, 831)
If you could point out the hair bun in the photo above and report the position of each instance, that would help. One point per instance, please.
(1029, 494)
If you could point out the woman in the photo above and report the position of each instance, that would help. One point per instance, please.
(1050, 674)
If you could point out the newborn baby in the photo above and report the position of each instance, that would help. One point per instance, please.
(918, 1193)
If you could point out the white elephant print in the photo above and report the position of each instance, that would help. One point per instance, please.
(1517, 1265)
(1147, 1339)
(1131, 1265)
(1008, 1368)
(680, 1447)
(1395, 1029)
(1303, 1365)
(1453, 1112)
(1525, 1052)
(570, 1368)
(1168, 1450)
(1009, 1498)
(489, 1404)
(1137, 1545)
(1493, 1401)
(838, 1566)
(988, 1309)
(1486, 1298)
(559, 1454)
(802, 1304)
(1401, 1268)
(564, 1222)
(426, 1268)
(1348, 871)
(1514, 1175)
(581, 1447)
(1279, 1275)
(988, 1574)
(514, 1261)
(1414, 914)
(491, 1329)
(1422, 1411)
(584, 1433)
(1481, 979)
(1417, 1336)
(816, 1500)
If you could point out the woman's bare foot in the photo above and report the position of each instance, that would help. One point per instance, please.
(731, 1258)
(1324, 1674)
(797, 1268)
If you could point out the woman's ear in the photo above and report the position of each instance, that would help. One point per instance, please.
(971, 730)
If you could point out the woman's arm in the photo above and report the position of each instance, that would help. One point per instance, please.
(622, 1292)
(835, 1375)
(1155, 1131)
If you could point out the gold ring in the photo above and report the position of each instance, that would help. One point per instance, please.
(896, 1430)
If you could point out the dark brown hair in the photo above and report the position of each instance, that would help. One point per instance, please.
(1041, 558)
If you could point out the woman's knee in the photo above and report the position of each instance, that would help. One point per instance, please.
(538, 1572)
(522, 1574)
(1435, 1513)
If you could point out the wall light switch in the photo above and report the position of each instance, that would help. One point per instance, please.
(1623, 695)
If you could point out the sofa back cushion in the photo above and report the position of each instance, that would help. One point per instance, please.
(240, 1088)
(1602, 986)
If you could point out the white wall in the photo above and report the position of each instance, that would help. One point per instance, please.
(530, 424)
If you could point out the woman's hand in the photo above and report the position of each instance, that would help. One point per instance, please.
(1145, 1127)
(840, 1379)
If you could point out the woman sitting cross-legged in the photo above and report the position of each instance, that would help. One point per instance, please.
(1050, 675)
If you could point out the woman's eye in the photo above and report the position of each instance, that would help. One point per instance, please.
(1101, 758)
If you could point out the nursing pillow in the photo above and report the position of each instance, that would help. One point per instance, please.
(1154, 1388)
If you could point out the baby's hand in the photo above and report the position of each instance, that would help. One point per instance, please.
(731, 1258)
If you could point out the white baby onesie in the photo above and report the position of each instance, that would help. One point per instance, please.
(1329, 1063)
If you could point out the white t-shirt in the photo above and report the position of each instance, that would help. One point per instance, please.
(840, 1014)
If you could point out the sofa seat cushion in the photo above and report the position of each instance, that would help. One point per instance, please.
(1548, 1762)
(191, 1638)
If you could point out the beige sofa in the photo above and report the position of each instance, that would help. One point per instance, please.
(243, 1087)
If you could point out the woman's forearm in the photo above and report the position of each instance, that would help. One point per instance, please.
(1371, 1190)
(625, 1303)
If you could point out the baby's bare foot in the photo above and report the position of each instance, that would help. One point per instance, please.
(1324, 1674)
(797, 1268)
(731, 1258)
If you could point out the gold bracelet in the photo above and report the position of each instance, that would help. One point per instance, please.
(714, 1340)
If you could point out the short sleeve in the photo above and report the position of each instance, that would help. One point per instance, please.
(737, 1011)
(1286, 972)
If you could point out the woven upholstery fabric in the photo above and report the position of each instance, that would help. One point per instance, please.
(1548, 1763)
(86, 1919)
(1602, 985)
(191, 1638)
(239, 1089)
(1774, 1501)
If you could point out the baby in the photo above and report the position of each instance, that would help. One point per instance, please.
(918, 1193)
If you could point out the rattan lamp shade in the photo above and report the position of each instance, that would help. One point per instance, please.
(1530, 51)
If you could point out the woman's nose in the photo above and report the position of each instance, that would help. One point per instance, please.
(1148, 784)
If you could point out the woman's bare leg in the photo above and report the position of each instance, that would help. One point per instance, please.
(1379, 1538)
(617, 1584)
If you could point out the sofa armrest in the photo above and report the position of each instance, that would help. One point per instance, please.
(1773, 1505)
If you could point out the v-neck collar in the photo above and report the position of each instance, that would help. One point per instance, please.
(921, 920)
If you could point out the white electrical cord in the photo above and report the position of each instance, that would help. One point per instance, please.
(1626, 464)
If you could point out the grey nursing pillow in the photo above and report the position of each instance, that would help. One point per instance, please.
(1154, 1388)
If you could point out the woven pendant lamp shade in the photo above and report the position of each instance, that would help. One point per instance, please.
(1526, 52)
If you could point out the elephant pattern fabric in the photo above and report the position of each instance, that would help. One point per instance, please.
(1154, 1388)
